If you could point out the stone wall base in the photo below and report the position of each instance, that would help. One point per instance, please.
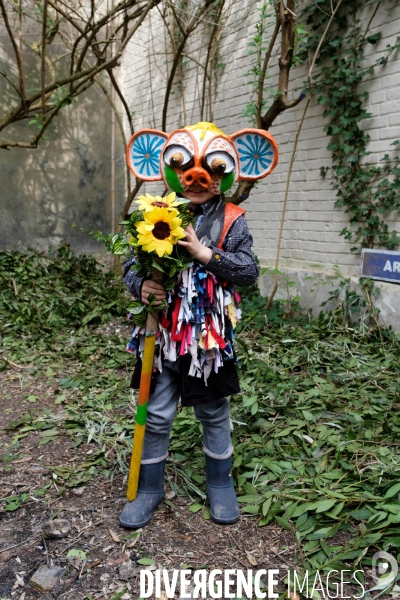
(312, 288)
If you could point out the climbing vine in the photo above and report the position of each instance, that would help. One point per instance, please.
(366, 190)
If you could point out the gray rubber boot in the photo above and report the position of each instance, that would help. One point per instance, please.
(150, 493)
(224, 507)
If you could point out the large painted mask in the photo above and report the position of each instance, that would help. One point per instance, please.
(201, 154)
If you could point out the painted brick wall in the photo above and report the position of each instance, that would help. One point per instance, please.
(311, 239)
(67, 179)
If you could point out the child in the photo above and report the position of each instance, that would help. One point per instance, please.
(196, 359)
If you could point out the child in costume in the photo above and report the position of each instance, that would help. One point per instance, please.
(195, 358)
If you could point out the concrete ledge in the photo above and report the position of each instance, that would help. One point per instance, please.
(312, 288)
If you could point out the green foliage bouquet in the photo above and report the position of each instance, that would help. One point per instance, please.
(152, 234)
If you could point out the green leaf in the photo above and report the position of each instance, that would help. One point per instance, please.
(157, 267)
(393, 490)
(118, 594)
(301, 509)
(308, 416)
(251, 499)
(119, 244)
(324, 532)
(146, 561)
(322, 506)
(283, 523)
(13, 505)
(136, 309)
(266, 506)
(49, 433)
(78, 553)
(253, 510)
(284, 432)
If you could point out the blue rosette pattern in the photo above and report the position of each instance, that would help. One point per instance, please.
(256, 154)
(145, 154)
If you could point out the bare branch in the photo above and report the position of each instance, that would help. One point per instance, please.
(310, 70)
(113, 106)
(43, 69)
(129, 201)
(288, 178)
(130, 33)
(5, 144)
(192, 25)
(370, 21)
(264, 70)
(292, 158)
(279, 105)
(242, 192)
(66, 16)
(95, 28)
(197, 63)
(210, 45)
(82, 77)
(16, 51)
(122, 98)
(177, 19)
(11, 82)
(173, 44)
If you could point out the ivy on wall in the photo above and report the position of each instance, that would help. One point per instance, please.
(367, 190)
(339, 40)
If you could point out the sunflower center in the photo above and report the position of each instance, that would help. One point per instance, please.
(161, 230)
(160, 204)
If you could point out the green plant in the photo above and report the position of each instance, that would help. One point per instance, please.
(145, 261)
(61, 97)
(315, 428)
(40, 122)
(366, 190)
(53, 293)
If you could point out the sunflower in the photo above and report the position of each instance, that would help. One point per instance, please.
(148, 202)
(160, 230)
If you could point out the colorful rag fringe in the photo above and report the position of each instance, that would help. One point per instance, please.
(199, 320)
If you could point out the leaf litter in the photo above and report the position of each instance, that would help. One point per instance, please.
(315, 429)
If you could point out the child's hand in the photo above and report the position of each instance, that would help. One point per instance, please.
(195, 248)
(151, 287)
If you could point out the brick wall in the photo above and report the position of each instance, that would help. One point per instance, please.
(311, 239)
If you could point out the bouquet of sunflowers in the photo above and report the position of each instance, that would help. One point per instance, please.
(152, 234)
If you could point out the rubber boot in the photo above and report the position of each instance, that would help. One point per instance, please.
(224, 507)
(150, 493)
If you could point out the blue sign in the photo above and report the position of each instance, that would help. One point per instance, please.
(381, 264)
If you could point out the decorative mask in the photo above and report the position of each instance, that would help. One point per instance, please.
(201, 154)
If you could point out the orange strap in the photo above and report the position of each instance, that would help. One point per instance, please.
(232, 212)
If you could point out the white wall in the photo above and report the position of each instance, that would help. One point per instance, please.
(311, 240)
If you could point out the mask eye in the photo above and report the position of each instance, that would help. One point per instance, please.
(220, 163)
(177, 157)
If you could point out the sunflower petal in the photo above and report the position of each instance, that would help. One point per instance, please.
(174, 222)
(178, 232)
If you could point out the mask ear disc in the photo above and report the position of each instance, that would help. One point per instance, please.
(143, 154)
(257, 152)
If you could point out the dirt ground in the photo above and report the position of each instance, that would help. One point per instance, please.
(175, 539)
(108, 566)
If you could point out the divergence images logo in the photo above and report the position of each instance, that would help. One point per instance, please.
(384, 569)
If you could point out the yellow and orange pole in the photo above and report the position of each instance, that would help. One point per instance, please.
(143, 398)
